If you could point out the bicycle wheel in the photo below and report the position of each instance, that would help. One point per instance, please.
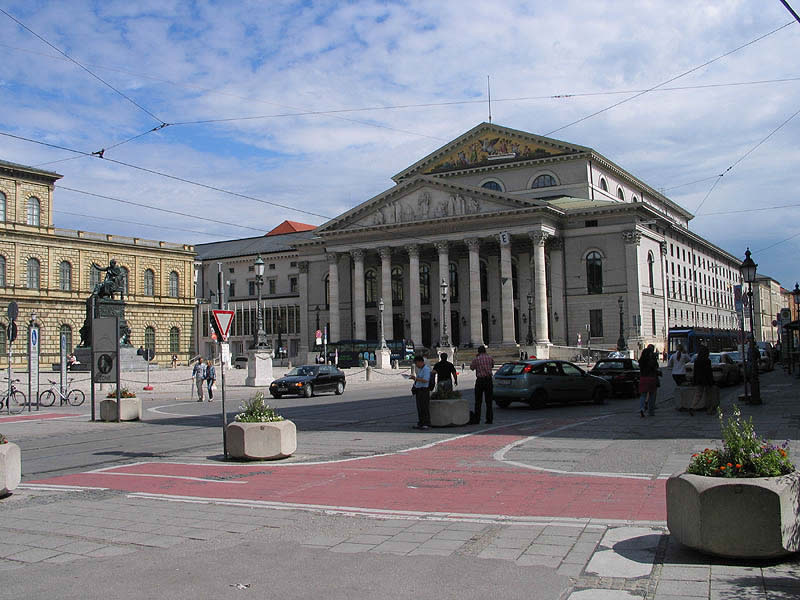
(47, 398)
(75, 397)
(16, 402)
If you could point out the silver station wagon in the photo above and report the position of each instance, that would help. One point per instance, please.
(539, 382)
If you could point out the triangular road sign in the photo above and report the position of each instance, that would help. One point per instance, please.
(222, 322)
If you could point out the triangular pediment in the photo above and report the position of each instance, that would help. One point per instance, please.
(489, 145)
(424, 199)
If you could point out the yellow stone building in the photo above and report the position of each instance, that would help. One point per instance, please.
(48, 271)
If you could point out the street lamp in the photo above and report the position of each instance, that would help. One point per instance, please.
(748, 271)
(529, 338)
(444, 341)
(796, 295)
(621, 344)
(381, 306)
(260, 338)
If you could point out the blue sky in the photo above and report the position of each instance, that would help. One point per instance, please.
(189, 61)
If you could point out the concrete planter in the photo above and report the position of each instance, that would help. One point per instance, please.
(130, 409)
(453, 411)
(736, 518)
(262, 441)
(10, 467)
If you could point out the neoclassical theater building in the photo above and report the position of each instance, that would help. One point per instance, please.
(528, 233)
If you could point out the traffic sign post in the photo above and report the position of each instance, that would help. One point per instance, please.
(105, 355)
(33, 363)
(147, 355)
(221, 323)
(11, 335)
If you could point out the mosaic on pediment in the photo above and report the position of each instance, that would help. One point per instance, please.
(426, 205)
(489, 149)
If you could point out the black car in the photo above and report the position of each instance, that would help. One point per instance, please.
(308, 380)
(621, 373)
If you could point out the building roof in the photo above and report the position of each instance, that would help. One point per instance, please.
(4, 164)
(262, 244)
(291, 227)
(568, 203)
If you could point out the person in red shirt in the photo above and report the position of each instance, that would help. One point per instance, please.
(482, 365)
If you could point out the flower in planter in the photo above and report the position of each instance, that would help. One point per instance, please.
(256, 410)
(123, 393)
(3, 439)
(742, 454)
(445, 395)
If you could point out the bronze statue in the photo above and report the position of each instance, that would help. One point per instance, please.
(113, 283)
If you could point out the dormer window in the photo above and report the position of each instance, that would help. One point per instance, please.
(492, 185)
(544, 181)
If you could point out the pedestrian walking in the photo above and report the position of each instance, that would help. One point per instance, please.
(199, 374)
(648, 380)
(422, 393)
(707, 396)
(174, 361)
(211, 379)
(482, 365)
(677, 362)
(446, 375)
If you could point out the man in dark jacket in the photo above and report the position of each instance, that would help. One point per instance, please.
(446, 375)
(704, 381)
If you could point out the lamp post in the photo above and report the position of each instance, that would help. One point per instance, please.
(260, 338)
(748, 272)
(790, 349)
(381, 306)
(529, 338)
(444, 341)
(621, 344)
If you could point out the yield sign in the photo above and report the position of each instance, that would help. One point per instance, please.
(222, 322)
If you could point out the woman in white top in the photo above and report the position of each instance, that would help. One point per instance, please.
(677, 362)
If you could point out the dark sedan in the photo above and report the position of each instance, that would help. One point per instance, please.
(538, 382)
(308, 380)
(621, 373)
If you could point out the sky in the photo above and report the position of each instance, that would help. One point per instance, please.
(348, 66)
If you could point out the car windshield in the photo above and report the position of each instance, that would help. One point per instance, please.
(715, 358)
(609, 364)
(735, 355)
(302, 372)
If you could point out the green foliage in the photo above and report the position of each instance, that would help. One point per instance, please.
(256, 410)
(3, 439)
(123, 393)
(743, 454)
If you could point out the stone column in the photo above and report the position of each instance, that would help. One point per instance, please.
(333, 297)
(444, 307)
(539, 239)
(506, 291)
(386, 292)
(558, 292)
(633, 307)
(475, 321)
(359, 301)
(414, 306)
(305, 334)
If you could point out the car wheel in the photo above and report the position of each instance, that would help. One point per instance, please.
(539, 399)
(308, 391)
(502, 403)
(599, 395)
(276, 395)
(339, 388)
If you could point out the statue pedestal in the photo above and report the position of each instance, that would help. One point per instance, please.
(541, 350)
(383, 358)
(259, 368)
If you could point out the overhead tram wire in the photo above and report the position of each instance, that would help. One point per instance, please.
(68, 57)
(692, 70)
(72, 214)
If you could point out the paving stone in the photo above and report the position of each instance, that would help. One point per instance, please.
(426, 527)
(60, 559)
(466, 526)
(323, 540)
(559, 530)
(547, 550)
(396, 547)
(408, 536)
(521, 532)
(502, 553)
(423, 551)
(555, 540)
(162, 541)
(685, 573)
(530, 560)
(683, 588)
(82, 547)
(384, 530)
(450, 534)
(348, 548)
(107, 551)
(7, 565)
(442, 544)
(520, 543)
(580, 558)
(33, 555)
(373, 540)
(52, 542)
(570, 570)
(9, 549)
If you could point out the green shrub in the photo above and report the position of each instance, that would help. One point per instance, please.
(742, 454)
(256, 410)
(3, 439)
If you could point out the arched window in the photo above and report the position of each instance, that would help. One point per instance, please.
(371, 287)
(174, 340)
(484, 282)
(594, 273)
(65, 276)
(2, 271)
(453, 282)
(493, 185)
(397, 285)
(174, 281)
(650, 261)
(603, 184)
(634, 199)
(149, 283)
(66, 332)
(543, 181)
(125, 281)
(95, 276)
(2, 206)
(34, 211)
(620, 194)
(150, 339)
(424, 284)
(33, 274)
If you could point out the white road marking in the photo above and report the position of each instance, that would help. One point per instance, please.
(156, 409)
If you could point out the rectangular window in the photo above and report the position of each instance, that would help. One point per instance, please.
(251, 288)
(251, 268)
(596, 323)
(653, 317)
(271, 266)
(271, 286)
(231, 289)
(590, 223)
(230, 270)
(293, 264)
(671, 253)
(293, 285)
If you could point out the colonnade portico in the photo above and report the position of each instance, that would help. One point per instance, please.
(473, 306)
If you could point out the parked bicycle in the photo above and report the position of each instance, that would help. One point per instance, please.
(73, 397)
(12, 399)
